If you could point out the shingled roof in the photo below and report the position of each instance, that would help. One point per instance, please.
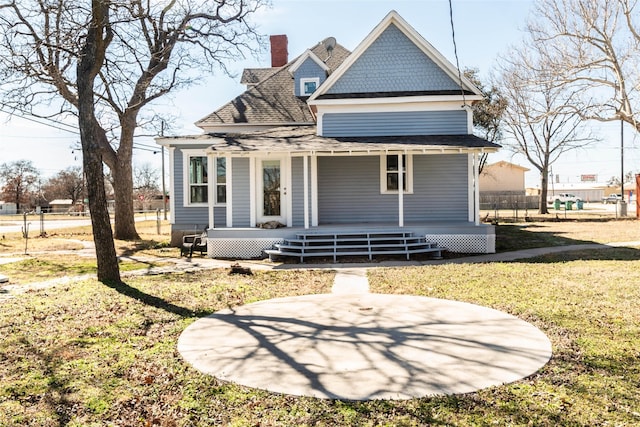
(271, 99)
(302, 139)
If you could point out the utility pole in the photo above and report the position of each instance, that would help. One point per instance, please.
(622, 159)
(164, 191)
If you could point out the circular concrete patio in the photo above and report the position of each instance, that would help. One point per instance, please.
(364, 346)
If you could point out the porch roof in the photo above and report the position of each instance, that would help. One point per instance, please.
(303, 139)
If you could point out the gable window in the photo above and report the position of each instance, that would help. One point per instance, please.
(390, 167)
(198, 179)
(309, 85)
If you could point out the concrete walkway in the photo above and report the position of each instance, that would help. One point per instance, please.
(353, 345)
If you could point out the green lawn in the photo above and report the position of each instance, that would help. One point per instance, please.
(88, 354)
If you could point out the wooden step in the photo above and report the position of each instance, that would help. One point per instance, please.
(354, 243)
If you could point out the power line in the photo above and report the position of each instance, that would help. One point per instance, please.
(35, 119)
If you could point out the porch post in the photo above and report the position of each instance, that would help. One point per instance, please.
(400, 192)
(229, 206)
(314, 190)
(305, 171)
(476, 188)
(211, 171)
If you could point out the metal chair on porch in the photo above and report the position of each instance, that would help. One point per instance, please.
(192, 243)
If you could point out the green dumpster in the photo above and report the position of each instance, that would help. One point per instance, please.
(579, 204)
(556, 205)
(568, 205)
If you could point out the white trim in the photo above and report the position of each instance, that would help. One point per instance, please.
(469, 120)
(431, 101)
(252, 192)
(229, 206)
(302, 58)
(401, 174)
(211, 188)
(394, 18)
(476, 186)
(320, 122)
(305, 192)
(470, 192)
(172, 188)
(314, 190)
(288, 190)
(304, 80)
(186, 193)
(408, 172)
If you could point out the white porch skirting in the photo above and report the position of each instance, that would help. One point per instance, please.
(241, 248)
(465, 243)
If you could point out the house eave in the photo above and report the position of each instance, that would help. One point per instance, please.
(304, 141)
(425, 99)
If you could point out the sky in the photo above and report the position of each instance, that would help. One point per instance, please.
(484, 29)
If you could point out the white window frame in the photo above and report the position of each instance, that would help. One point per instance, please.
(227, 160)
(408, 172)
(304, 80)
(186, 185)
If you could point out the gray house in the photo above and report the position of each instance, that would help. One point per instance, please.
(336, 144)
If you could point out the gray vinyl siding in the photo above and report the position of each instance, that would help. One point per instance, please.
(349, 190)
(308, 69)
(241, 193)
(440, 189)
(393, 63)
(395, 123)
(188, 217)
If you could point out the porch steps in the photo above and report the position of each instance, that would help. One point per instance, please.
(368, 244)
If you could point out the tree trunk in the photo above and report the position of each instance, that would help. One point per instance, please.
(125, 225)
(544, 185)
(108, 268)
(91, 134)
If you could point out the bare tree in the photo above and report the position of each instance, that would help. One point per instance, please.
(541, 119)
(487, 113)
(18, 179)
(153, 48)
(145, 183)
(66, 184)
(92, 136)
(594, 48)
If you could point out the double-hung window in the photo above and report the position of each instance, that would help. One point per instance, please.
(392, 167)
(198, 180)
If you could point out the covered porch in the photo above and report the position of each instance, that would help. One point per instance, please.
(250, 243)
(298, 182)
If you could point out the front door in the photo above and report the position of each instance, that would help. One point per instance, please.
(271, 191)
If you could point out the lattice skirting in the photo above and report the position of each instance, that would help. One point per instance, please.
(240, 248)
(465, 243)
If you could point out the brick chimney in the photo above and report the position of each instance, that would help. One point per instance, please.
(279, 52)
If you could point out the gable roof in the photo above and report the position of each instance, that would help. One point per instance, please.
(272, 100)
(393, 19)
(307, 54)
(504, 163)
